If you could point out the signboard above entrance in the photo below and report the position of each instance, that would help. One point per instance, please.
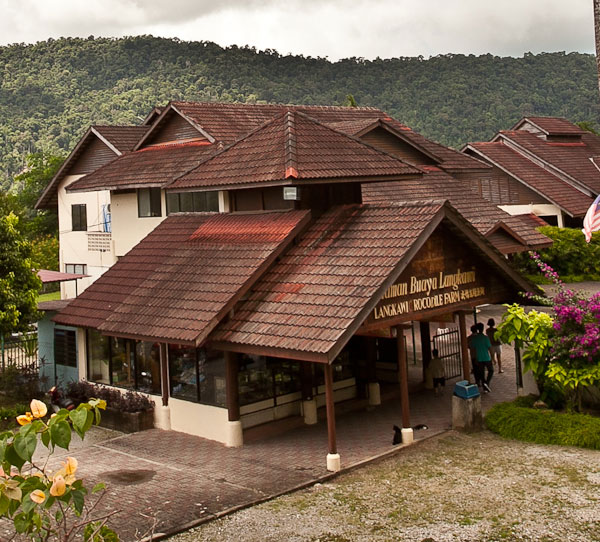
(444, 276)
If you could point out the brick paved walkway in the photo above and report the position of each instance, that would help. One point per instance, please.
(178, 479)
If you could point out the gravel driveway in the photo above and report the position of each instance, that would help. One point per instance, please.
(453, 487)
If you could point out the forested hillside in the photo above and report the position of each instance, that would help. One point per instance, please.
(50, 92)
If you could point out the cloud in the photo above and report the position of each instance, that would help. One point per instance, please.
(332, 28)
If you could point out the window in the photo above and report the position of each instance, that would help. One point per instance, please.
(123, 362)
(197, 375)
(79, 217)
(77, 268)
(192, 202)
(65, 347)
(148, 202)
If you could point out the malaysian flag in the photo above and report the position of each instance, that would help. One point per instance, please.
(591, 222)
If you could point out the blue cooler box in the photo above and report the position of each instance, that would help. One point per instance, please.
(465, 390)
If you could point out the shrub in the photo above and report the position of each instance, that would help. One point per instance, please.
(570, 256)
(513, 421)
(130, 401)
(21, 383)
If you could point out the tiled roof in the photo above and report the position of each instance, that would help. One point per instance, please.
(184, 276)
(152, 166)
(123, 138)
(324, 282)
(482, 214)
(553, 126)
(47, 276)
(573, 159)
(563, 194)
(526, 226)
(229, 122)
(292, 147)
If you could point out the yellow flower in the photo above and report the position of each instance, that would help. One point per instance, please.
(24, 419)
(59, 486)
(70, 465)
(38, 408)
(38, 496)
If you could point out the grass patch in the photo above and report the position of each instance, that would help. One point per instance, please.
(52, 296)
(519, 422)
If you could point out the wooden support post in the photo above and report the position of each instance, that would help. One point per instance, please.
(231, 386)
(331, 436)
(464, 346)
(404, 401)
(164, 372)
(371, 359)
(425, 345)
(333, 458)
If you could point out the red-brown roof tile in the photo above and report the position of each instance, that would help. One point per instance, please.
(183, 277)
(559, 192)
(292, 147)
(552, 126)
(482, 214)
(48, 276)
(318, 289)
(572, 159)
(152, 166)
(123, 138)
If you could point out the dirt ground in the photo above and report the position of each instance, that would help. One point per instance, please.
(453, 487)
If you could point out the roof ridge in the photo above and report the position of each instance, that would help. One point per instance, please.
(291, 158)
(275, 105)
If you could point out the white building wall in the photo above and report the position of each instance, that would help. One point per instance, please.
(74, 244)
(129, 229)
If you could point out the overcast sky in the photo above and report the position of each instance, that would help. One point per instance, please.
(326, 28)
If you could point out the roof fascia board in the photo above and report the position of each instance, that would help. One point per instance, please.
(381, 123)
(519, 179)
(116, 188)
(517, 126)
(106, 141)
(543, 164)
(300, 355)
(170, 108)
(502, 226)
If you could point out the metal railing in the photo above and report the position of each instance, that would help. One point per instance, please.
(20, 352)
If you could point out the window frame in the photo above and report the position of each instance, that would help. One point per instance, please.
(151, 198)
(78, 217)
(69, 346)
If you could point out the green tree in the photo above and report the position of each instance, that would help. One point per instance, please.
(19, 283)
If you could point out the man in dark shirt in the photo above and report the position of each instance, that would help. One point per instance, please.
(481, 344)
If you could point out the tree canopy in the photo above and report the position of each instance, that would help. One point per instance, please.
(19, 283)
(50, 92)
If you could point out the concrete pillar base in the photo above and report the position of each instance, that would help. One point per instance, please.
(374, 394)
(162, 417)
(235, 434)
(333, 462)
(407, 435)
(466, 414)
(309, 408)
(521, 392)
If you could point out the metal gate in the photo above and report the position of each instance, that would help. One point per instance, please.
(447, 342)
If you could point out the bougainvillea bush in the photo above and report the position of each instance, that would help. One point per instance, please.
(562, 349)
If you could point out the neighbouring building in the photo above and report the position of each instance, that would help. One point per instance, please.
(547, 166)
(268, 260)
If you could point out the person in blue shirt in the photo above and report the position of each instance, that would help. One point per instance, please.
(482, 346)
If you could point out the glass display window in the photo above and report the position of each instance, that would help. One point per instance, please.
(255, 379)
(147, 365)
(183, 372)
(122, 361)
(98, 352)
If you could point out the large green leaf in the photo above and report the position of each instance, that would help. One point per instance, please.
(60, 434)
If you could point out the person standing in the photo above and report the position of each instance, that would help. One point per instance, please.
(496, 351)
(438, 372)
(482, 346)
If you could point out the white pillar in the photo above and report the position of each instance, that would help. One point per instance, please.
(162, 417)
(235, 434)
(407, 435)
(333, 462)
(374, 394)
(309, 408)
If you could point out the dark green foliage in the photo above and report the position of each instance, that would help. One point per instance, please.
(51, 91)
(121, 400)
(570, 256)
(513, 421)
